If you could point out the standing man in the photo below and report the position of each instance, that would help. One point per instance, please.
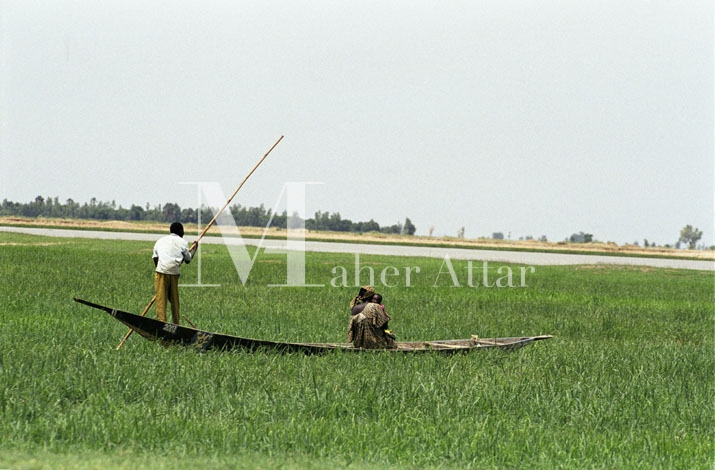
(169, 252)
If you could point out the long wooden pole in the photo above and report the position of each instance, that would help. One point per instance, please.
(208, 226)
(129, 333)
(203, 232)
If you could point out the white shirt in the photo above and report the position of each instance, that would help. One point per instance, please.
(172, 250)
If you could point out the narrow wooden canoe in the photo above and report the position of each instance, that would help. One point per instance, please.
(169, 333)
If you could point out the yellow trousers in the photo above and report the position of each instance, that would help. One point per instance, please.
(167, 288)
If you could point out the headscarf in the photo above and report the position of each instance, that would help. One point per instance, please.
(365, 294)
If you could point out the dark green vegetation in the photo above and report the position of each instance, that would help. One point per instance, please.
(171, 212)
(627, 382)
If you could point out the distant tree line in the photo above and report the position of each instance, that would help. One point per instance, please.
(581, 237)
(170, 212)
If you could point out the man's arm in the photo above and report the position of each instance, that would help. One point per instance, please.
(188, 256)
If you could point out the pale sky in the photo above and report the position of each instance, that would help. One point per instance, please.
(524, 117)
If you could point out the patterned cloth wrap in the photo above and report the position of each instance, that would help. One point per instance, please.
(366, 329)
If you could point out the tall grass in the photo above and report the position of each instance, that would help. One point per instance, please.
(626, 382)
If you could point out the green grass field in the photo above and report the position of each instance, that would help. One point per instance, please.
(627, 381)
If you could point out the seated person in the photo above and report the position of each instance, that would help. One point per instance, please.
(368, 322)
(377, 299)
